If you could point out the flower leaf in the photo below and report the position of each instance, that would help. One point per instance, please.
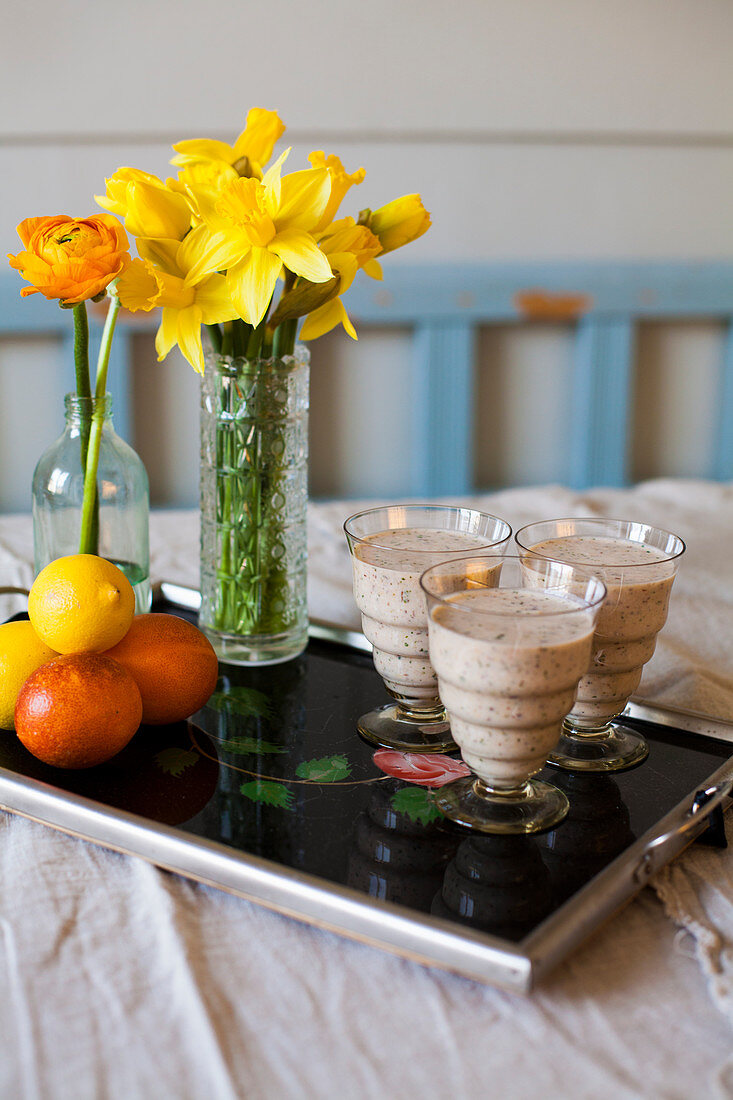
(250, 746)
(174, 761)
(330, 769)
(417, 804)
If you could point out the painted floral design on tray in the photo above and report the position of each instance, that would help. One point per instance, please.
(268, 793)
(250, 746)
(241, 701)
(174, 761)
(417, 804)
(330, 769)
(424, 769)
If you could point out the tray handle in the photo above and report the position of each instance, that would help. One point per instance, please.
(703, 804)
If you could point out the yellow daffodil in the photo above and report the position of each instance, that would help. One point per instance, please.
(208, 175)
(115, 199)
(185, 306)
(341, 181)
(254, 228)
(214, 242)
(150, 209)
(350, 247)
(253, 146)
(398, 223)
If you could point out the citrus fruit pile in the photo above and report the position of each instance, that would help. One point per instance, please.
(79, 678)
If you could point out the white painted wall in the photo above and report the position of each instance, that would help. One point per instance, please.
(534, 130)
(477, 66)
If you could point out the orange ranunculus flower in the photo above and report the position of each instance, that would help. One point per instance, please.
(71, 259)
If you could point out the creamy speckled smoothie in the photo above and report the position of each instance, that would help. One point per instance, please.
(639, 581)
(387, 568)
(508, 663)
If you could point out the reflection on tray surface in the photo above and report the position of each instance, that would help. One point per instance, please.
(401, 845)
(159, 775)
(498, 884)
(273, 766)
(596, 830)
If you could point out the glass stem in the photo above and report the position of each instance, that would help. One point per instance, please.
(486, 790)
(586, 732)
(431, 712)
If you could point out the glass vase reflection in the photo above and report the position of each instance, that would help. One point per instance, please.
(256, 721)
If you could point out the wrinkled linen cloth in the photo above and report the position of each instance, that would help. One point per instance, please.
(118, 979)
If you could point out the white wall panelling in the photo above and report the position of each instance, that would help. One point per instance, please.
(575, 129)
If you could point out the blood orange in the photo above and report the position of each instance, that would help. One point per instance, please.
(78, 710)
(173, 664)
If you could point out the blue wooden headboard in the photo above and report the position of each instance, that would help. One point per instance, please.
(445, 305)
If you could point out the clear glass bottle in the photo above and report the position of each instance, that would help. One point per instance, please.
(123, 499)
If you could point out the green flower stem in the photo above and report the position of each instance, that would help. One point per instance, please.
(215, 336)
(240, 338)
(100, 387)
(226, 547)
(83, 384)
(277, 339)
(257, 487)
(89, 536)
(81, 351)
(290, 328)
(254, 344)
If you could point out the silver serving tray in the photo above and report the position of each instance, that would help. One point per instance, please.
(423, 938)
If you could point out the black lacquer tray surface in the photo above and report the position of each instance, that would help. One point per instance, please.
(270, 792)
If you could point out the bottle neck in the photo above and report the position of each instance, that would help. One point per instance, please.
(80, 410)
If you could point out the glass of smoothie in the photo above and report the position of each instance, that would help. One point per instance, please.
(508, 650)
(637, 564)
(390, 548)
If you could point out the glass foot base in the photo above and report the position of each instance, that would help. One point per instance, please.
(536, 807)
(256, 649)
(614, 751)
(390, 728)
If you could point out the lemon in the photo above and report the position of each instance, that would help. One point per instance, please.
(81, 604)
(21, 653)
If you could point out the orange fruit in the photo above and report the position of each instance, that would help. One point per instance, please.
(81, 604)
(173, 664)
(78, 710)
